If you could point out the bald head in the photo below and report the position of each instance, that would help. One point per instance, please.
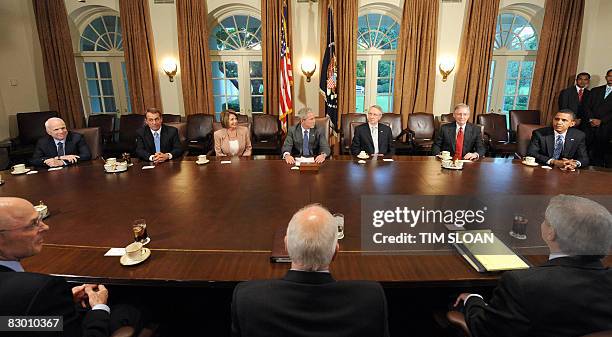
(21, 232)
(56, 128)
(312, 238)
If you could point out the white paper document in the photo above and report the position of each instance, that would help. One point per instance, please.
(115, 252)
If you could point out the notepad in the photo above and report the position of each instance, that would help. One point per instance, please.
(489, 256)
(148, 167)
(55, 168)
(115, 252)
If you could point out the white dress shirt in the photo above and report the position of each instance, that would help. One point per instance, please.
(374, 132)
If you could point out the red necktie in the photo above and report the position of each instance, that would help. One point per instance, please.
(459, 144)
(580, 95)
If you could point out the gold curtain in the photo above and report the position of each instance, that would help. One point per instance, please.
(196, 68)
(415, 77)
(476, 54)
(557, 58)
(139, 52)
(58, 60)
(271, 12)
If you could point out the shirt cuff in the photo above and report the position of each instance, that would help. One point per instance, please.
(285, 154)
(471, 295)
(549, 162)
(101, 307)
(169, 156)
(578, 163)
(151, 158)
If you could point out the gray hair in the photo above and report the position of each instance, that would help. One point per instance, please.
(462, 105)
(377, 107)
(303, 112)
(53, 119)
(582, 226)
(312, 236)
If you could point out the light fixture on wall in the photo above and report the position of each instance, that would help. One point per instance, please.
(308, 67)
(170, 67)
(446, 67)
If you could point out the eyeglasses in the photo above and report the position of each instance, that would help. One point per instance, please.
(35, 224)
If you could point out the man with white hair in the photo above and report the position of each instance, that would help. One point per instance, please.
(305, 139)
(61, 147)
(308, 301)
(570, 295)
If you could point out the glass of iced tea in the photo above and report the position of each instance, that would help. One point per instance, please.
(139, 228)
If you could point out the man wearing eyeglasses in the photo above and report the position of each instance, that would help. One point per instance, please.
(61, 147)
(29, 294)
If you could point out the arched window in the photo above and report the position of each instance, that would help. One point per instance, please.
(101, 65)
(235, 47)
(377, 38)
(514, 53)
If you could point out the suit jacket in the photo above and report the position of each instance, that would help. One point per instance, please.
(600, 108)
(568, 99)
(31, 294)
(446, 139)
(73, 144)
(222, 147)
(362, 140)
(542, 145)
(567, 296)
(309, 304)
(294, 140)
(168, 139)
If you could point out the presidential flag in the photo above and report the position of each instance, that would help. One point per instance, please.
(286, 74)
(329, 73)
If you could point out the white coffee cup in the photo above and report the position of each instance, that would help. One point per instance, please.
(340, 223)
(121, 165)
(42, 210)
(109, 167)
(202, 158)
(530, 160)
(19, 168)
(134, 251)
(445, 154)
(111, 161)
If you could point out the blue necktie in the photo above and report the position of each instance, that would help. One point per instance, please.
(608, 90)
(156, 140)
(60, 149)
(305, 149)
(558, 147)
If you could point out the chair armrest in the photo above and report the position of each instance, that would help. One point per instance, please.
(124, 331)
(457, 319)
(406, 131)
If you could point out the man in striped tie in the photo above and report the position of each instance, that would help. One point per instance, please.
(462, 139)
(61, 147)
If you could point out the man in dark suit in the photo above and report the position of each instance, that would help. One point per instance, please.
(157, 142)
(560, 145)
(598, 124)
(308, 301)
(30, 294)
(373, 137)
(61, 147)
(574, 97)
(570, 295)
(305, 140)
(471, 148)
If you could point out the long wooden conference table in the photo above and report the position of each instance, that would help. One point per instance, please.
(213, 225)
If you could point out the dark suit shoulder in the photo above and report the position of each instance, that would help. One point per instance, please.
(575, 133)
(169, 129)
(545, 131)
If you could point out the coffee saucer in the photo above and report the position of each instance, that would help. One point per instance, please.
(363, 157)
(532, 165)
(116, 170)
(202, 162)
(18, 173)
(126, 261)
(439, 156)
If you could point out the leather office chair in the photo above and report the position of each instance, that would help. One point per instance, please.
(182, 131)
(199, 133)
(421, 131)
(522, 117)
(106, 123)
(345, 130)
(92, 137)
(496, 131)
(447, 118)
(356, 124)
(607, 333)
(171, 118)
(31, 126)
(242, 118)
(324, 124)
(4, 156)
(400, 142)
(128, 124)
(523, 137)
(266, 134)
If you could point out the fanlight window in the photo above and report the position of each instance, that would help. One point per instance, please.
(515, 33)
(377, 31)
(102, 34)
(236, 32)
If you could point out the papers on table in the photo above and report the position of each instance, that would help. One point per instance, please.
(226, 162)
(115, 252)
(55, 168)
(148, 167)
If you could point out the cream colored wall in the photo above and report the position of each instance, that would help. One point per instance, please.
(595, 48)
(306, 45)
(22, 78)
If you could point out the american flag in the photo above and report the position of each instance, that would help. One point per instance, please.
(286, 74)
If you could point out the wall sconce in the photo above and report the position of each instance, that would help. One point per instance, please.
(308, 68)
(446, 67)
(170, 67)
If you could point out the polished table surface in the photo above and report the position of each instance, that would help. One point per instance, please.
(213, 224)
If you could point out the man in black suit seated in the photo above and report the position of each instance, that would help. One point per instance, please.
(305, 139)
(598, 123)
(570, 295)
(308, 301)
(373, 137)
(157, 142)
(560, 145)
(472, 147)
(31, 294)
(61, 147)
(574, 97)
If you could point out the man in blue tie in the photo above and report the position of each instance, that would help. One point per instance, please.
(61, 147)
(560, 145)
(157, 142)
(305, 139)
(598, 128)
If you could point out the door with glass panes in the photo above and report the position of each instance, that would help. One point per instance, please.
(238, 84)
(104, 85)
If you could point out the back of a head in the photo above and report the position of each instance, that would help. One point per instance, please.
(582, 226)
(312, 237)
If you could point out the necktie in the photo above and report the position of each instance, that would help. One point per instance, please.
(580, 92)
(156, 140)
(608, 90)
(558, 147)
(60, 149)
(375, 138)
(459, 144)
(305, 148)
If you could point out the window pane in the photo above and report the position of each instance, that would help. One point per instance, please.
(92, 88)
(255, 69)
(383, 101)
(96, 104)
(233, 103)
(219, 103)
(508, 103)
(86, 45)
(90, 70)
(360, 103)
(90, 34)
(523, 101)
(510, 88)
(257, 87)
(98, 26)
(127, 88)
(527, 70)
(217, 70)
(232, 87)
(513, 69)
(231, 69)
(524, 86)
(107, 88)
(104, 70)
(257, 104)
(384, 68)
(218, 87)
(109, 104)
(361, 68)
(383, 86)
